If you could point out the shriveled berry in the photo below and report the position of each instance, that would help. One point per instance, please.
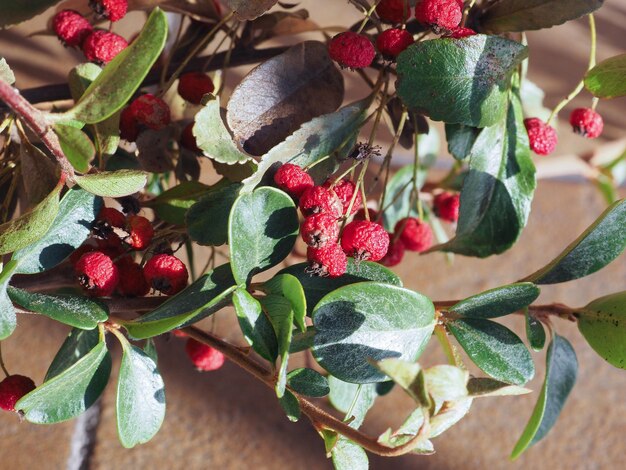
(102, 46)
(360, 215)
(204, 357)
(327, 261)
(319, 230)
(440, 15)
(112, 216)
(542, 137)
(80, 251)
(188, 140)
(344, 189)
(132, 282)
(12, 388)
(365, 240)
(446, 206)
(415, 234)
(97, 274)
(166, 274)
(293, 180)
(129, 127)
(320, 200)
(351, 50)
(71, 27)
(111, 246)
(113, 10)
(586, 122)
(194, 85)
(461, 32)
(392, 42)
(395, 253)
(140, 232)
(393, 11)
(151, 111)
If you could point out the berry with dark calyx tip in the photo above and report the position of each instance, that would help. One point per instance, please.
(461, 32)
(360, 215)
(319, 230)
(365, 240)
(188, 140)
(194, 85)
(446, 206)
(97, 274)
(166, 274)
(71, 27)
(392, 42)
(364, 150)
(395, 253)
(440, 15)
(415, 234)
(151, 111)
(320, 200)
(101, 46)
(140, 232)
(106, 220)
(352, 50)
(204, 357)
(130, 205)
(129, 127)
(293, 180)
(586, 122)
(12, 388)
(393, 11)
(132, 282)
(113, 10)
(327, 261)
(344, 189)
(542, 137)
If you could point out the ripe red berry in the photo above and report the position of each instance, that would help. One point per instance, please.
(112, 216)
(140, 232)
(461, 32)
(365, 240)
(204, 357)
(132, 282)
(71, 28)
(188, 140)
(129, 127)
(351, 50)
(441, 15)
(166, 274)
(395, 253)
(12, 388)
(415, 234)
(320, 200)
(293, 180)
(392, 42)
(80, 251)
(151, 111)
(102, 46)
(446, 206)
(344, 189)
(586, 122)
(97, 274)
(111, 245)
(360, 215)
(319, 230)
(329, 260)
(541, 136)
(113, 10)
(194, 85)
(393, 11)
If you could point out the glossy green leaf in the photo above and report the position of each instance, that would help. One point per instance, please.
(561, 371)
(207, 220)
(8, 319)
(369, 321)
(398, 196)
(487, 387)
(497, 302)
(606, 80)
(113, 183)
(15, 12)
(77, 345)
(289, 287)
(280, 313)
(173, 204)
(262, 230)
(254, 324)
(308, 382)
(6, 74)
(71, 392)
(352, 399)
(460, 139)
(290, 406)
(596, 247)
(347, 455)
(535, 332)
(463, 81)
(74, 310)
(495, 349)
(77, 146)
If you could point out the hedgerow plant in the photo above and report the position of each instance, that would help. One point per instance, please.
(112, 185)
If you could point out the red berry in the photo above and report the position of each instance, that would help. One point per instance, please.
(360, 215)
(319, 230)
(392, 42)
(71, 28)
(542, 137)
(151, 111)
(140, 232)
(351, 50)
(329, 260)
(204, 357)
(102, 46)
(365, 240)
(194, 85)
(320, 200)
(79, 252)
(113, 10)
(344, 189)
(188, 140)
(395, 253)
(166, 273)
(12, 388)
(461, 32)
(293, 180)
(132, 282)
(393, 11)
(129, 127)
(446, 206)
(111, 245)
(97, 274)
(586, 122)
(441, 15)
(112, 216)
(179, 333)
(415, 234)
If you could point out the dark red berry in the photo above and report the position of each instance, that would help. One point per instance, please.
(351, 50)
(188, 140)
(113, 10)
(129, 127)
(360, 215)
(319, 230)
(12, 388)
(365, 240)
(112, 216)
(415, 234)
(327, 261)
(194, 85)
(441, 15)
(151, 111)
(344, 189)
(395, 253)
(132, 282)
(140, 232)
(446, 206)
(542, 137)
(166, 274)
(320, 200)
(393, 11)
(392, 42)
(204, 357)
(586, 122)
(293, 180)
(102, 46)
(71, 28)
(461, 32)
(97, 274)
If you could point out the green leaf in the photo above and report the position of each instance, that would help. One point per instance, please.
(71, 392)
(70, 229)
(460, 139)
(561, 371)
(151, 351)
(607, 79)
(290, 405)
(140, 401)
(352, 399)
(463, 81)
(410, 376)
(398, 196)
(535, 332)
(308, 382)
(74, 310)
(123, 75)
(15, 12)
(8, 319)
(529, 15)
(498, 191)
(486, 387)
(497, 302)
(173, 204)
(448, 416)
(603, 324)
(409, 429)
(76, 346)
(207, 220)
(255, 326)
(370, 321)
(289, 287)
(262, 229)
(495, 349)
(113, 183)
(77, 146)
(347, 455)
(280, 313)
(316, 287)
(596, 247)
(6, 74)
(446, 383)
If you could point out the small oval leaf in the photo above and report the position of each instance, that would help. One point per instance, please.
(289, 287)
(606, 80)
(308, 382)
(113, 183)
(497, 302)
(77, 345)
(76, 145)
(207, 219)
(256, 328)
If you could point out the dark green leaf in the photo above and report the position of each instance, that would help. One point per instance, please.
(486, 387)
(15, 12)
(77, 146)
(290, 405)
(606, 80)
(173, 204)
(349, 456)
(280, 313)
(114, 183)
(289, 287)
(352, 399)
(398, 196)
(308, 382)
(77, 345)
(207, 220)
(535, 333)
(255, 326)
(497, 302)
(8, 320)
(460, 139)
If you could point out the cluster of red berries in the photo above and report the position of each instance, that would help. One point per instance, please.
(204, 357)
(98, 45)
(12, 388)
(105, 262)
